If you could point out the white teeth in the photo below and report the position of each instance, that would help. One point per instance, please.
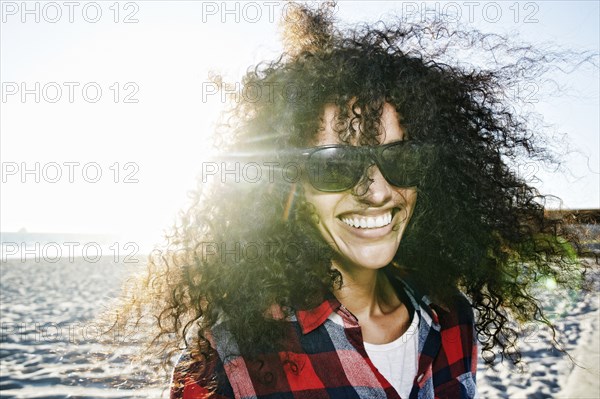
(368, 222)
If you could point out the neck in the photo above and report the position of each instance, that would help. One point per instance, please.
(366, 293)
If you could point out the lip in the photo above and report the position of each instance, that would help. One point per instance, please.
(371, 213)
(374, 232)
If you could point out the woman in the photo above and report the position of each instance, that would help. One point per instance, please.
(337, 270)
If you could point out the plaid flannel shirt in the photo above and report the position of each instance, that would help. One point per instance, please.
(327, 360)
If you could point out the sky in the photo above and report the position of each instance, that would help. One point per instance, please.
(106, 107)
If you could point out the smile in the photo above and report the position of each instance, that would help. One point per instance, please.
(372, 222)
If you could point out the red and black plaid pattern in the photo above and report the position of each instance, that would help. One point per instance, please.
(327, 360)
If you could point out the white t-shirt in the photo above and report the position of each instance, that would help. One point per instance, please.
(397, 361)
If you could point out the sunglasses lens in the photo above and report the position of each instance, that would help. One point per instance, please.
(334, 169)
(401, 164)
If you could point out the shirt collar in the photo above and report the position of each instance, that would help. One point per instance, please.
(313, 318)
(419, 302)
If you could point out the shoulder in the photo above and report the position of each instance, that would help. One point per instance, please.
(448, 340)
(455, 366)
(458, 337)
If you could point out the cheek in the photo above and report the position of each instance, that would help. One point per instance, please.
(408, 196)
(322, 204)
(322, 212)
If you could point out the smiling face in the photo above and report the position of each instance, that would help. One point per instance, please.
(364, 225)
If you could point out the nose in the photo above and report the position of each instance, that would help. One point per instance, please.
(374, 190)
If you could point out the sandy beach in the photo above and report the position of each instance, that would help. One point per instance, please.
(50, 347)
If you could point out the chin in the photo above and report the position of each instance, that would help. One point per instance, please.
(372, 259)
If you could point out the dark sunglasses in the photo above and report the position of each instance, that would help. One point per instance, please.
(335, 168)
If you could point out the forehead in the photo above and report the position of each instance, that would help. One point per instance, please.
(390, 129)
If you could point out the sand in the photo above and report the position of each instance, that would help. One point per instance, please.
(549, 373)
(49, 347)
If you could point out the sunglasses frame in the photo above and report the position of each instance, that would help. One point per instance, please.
(374, 154)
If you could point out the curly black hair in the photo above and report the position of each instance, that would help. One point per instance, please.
(243, 247)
